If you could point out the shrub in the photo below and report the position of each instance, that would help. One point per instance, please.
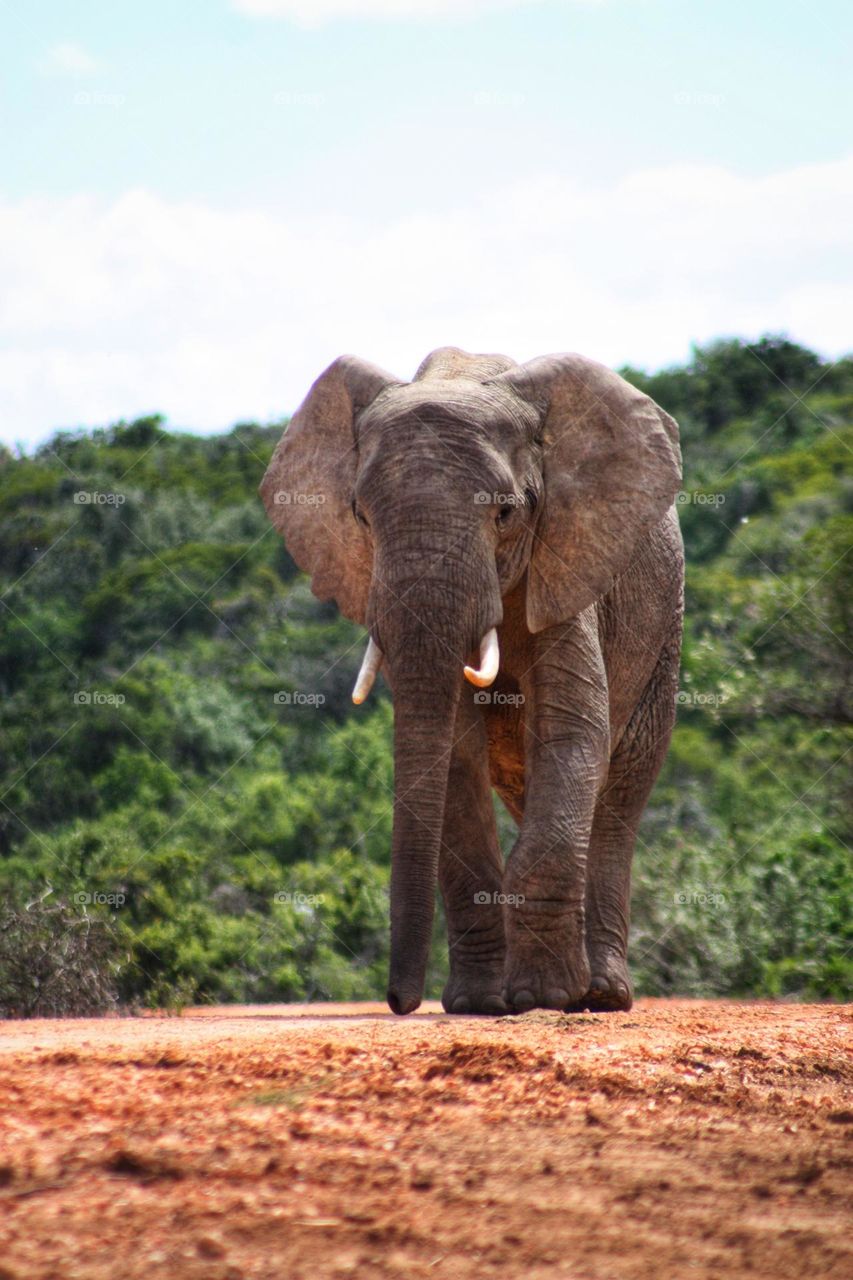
(57, 962)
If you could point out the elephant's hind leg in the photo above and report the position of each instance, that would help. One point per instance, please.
(633, 770)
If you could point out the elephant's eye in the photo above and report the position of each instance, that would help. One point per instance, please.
(504, 516)
(359, 514)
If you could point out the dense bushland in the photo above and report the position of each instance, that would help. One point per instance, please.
(179, 754)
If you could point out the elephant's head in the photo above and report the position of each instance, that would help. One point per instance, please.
(418, 506)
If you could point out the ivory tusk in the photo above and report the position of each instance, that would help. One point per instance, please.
(490, 660)
(369, 667)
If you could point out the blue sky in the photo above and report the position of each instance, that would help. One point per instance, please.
(202, 203)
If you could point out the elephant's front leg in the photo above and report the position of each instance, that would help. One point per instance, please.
(471, 872)
(566, 749)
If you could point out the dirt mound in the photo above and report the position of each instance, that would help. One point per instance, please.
(684, 1138)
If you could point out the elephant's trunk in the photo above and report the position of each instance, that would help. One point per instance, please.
(424, 715)
(432, 602)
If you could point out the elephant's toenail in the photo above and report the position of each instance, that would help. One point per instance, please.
(556, 998)
(522, 1001)
(494, 1004)
(461, 1005)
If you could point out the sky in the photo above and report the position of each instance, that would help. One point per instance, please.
(203, 203)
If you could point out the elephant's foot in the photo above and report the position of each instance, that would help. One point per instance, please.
(610, 987)
(474, 990)
(537, 976)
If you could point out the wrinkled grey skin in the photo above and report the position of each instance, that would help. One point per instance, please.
(536, 498)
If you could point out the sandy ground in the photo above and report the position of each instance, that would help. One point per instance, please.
(683, 1139)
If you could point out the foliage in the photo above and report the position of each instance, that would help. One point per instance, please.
(743, 875)
(56, 960)
(178, 743)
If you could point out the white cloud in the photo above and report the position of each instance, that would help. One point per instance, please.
(212, 315)
(69, 59)
(313, 13)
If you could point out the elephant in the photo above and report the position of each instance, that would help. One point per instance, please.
(507, 535)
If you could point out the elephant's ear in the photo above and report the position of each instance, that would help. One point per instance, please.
(308, 486)
(612, 468)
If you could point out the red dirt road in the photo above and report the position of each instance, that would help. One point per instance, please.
(683, 1139)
